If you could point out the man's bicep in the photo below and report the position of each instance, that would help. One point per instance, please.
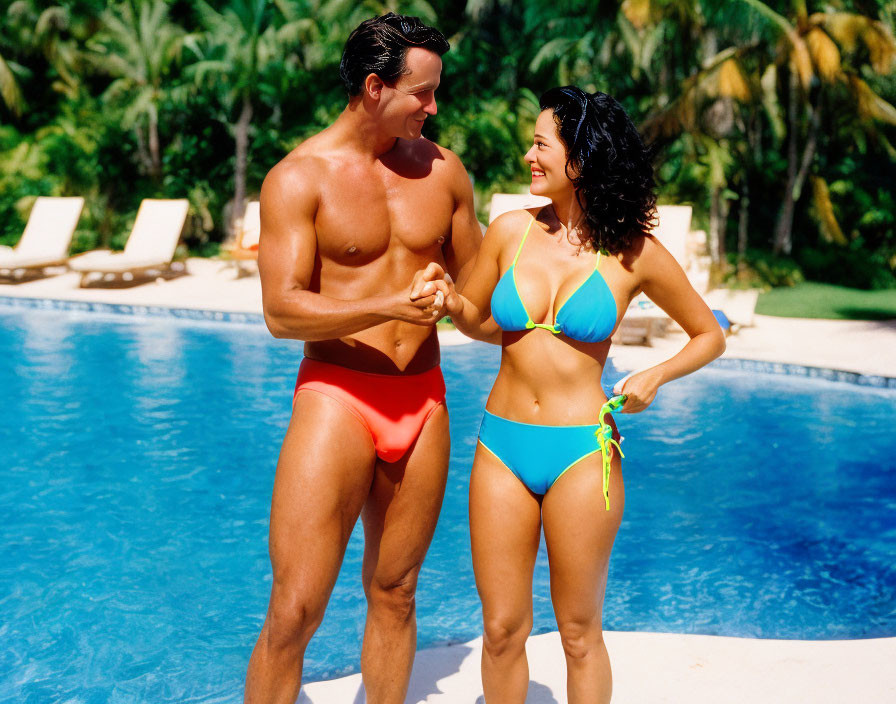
(288, 241)
(466, 233)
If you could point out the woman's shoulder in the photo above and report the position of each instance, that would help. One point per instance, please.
(510, 226)
(645, 250)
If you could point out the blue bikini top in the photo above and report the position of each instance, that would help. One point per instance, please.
(588, 315)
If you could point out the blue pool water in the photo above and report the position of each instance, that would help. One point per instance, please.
(135, 481)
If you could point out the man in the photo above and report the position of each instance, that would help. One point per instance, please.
(347, 219)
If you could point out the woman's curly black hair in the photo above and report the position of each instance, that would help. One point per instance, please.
(609, 165)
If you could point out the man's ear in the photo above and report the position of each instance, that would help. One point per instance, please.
(373, 86)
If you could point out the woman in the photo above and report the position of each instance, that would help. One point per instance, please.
(557, 280)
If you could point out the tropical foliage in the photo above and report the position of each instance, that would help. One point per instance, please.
(776, 120)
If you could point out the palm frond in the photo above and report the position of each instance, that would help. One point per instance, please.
(869, 104)
(823, 210)
(847, 28)
(732, 83)
(52, 20)
(800, 59)
(638, 12)
(9, 89)
(770, 102)
(824, 53)
(554, 50)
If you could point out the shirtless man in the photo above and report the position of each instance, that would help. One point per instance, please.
(347, 218)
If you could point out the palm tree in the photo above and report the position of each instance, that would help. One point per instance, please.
(139, 46)
(30, 30)
(242, 48)
(808, 63)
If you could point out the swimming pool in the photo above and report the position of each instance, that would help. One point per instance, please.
(135, 486)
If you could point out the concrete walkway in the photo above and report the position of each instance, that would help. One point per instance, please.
(648, 668)
(866, 347)
(660, 668)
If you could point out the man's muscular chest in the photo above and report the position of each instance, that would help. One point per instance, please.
(367, 210)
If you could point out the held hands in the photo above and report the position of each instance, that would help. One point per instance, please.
(434, 283)
(640, 388)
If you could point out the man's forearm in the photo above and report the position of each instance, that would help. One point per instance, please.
(309, 316)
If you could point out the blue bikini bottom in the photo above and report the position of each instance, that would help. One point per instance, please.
(540, 454)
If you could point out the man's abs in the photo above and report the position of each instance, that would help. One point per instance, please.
(391, 348)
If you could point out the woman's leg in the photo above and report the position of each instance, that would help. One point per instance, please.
(579, 534)
(504, 531)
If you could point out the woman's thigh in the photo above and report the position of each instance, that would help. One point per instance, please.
(579, 534)
(505, 525)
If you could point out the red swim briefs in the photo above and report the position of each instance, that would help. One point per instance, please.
(393, 408)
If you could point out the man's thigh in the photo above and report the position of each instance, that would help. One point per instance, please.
(403, 507)
(323, 478)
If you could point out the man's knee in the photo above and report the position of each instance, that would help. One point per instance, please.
(394, 598)
(505, 634)
(580, 637)
(293, 616)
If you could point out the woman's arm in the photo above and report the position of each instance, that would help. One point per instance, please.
(666, 284)
(470, 304)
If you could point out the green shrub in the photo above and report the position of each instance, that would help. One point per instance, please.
(853, 266)
(765, 269)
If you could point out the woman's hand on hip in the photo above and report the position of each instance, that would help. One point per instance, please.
(640, 389)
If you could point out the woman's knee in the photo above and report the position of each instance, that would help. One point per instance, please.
(580, 637)
(505, 634)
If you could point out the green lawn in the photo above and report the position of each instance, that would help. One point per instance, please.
(813, 300)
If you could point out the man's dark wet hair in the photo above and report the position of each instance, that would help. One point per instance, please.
(380, 45)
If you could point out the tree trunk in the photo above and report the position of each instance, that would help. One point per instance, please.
(142, 153)
(743, 225)
(155, 158)
(239, 174)
(808, 151)
(797, 180)
(718, 215)
(783, 235)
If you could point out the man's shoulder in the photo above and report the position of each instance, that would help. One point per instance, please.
(303, 168)
(441, 161)
(450, 159)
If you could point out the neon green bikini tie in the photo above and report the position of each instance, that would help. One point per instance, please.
(604, 435)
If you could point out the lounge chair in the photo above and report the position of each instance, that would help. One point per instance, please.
(150, 245)
(738, 306)
(505, 202)
(245, 247)
(47, 236)
(643, 319)
(673, 226)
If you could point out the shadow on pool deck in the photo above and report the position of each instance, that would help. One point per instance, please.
(537, 694)
(430, 667)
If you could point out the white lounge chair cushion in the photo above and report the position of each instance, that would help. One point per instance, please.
(114, 262)
(47, 235)
(151, 243)
(250, 228)
(673, 226)
(17, 260)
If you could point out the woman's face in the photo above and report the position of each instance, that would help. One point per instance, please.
(547, 159)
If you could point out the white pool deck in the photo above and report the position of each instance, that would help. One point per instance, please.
(648, 668)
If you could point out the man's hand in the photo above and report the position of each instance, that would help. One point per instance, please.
(434, 281)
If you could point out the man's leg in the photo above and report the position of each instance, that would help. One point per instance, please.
(399, 520)
(323, 479)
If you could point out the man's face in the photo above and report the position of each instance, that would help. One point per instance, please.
(411, 99)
